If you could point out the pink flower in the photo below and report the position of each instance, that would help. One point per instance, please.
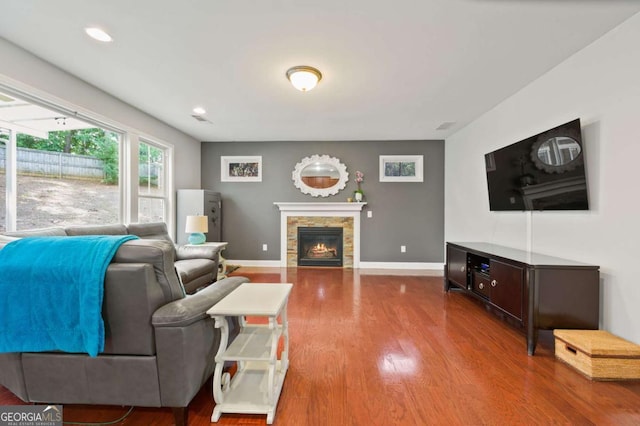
(359, 176)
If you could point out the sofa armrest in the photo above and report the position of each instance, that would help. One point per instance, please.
(197, 252)
(183, 312)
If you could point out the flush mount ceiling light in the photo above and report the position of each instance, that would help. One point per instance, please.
(98, 34)
(199, 110)
(304, 78)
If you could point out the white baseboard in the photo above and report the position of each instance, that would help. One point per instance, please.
(402, 265)
(263, 263)
(363, 265)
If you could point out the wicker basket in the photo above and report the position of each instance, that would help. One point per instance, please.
(598, 354)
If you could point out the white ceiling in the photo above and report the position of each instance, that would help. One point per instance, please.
(391, 69)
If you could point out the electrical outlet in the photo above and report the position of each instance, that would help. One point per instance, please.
(403, 249)
(264, 247)
(369, 214)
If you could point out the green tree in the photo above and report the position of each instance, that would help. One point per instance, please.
(27, 141)
(149, 154)
(107, 151)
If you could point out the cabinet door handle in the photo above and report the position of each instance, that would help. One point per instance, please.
(462, 269)
(481, 286)
(494, 283)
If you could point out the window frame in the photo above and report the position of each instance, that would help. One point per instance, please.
(168, 187)
(127, 156)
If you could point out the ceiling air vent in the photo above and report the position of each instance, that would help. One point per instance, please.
(446, 125)
(201, 118)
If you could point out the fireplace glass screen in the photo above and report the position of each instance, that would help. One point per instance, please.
(319, 246)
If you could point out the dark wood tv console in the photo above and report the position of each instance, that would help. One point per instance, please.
(533, 291)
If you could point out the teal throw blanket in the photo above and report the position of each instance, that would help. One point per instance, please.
(51, 291)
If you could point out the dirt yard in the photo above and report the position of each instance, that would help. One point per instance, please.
(44, 202)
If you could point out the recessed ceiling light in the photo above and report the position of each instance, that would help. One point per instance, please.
(199, 110)
(98, 34)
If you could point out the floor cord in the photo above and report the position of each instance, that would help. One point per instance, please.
(101, 423)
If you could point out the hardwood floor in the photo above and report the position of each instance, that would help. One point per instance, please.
(371, 348)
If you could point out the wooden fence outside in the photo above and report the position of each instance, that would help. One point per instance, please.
(59, 164)
(55, 164)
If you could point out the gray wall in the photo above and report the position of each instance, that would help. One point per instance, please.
(410, 214)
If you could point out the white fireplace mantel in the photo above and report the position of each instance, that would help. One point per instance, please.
(321, 209)
(319, 206)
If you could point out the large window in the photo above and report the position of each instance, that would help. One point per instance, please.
(69, 170)
(152, 190)
(69, 178)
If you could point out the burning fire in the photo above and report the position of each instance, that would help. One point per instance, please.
(320, 248)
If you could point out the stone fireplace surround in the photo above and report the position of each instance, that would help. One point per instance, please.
(345, 215)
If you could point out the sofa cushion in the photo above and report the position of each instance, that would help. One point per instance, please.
(150, 231)
(191, 269)
(115, 229)
(132, 294)
(161, 255)
(41, 232)
(196, 273)
(201, 251)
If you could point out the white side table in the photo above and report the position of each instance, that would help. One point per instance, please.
(222, 264)
(257, 384)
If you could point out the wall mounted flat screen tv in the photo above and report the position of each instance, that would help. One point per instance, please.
(543, 172)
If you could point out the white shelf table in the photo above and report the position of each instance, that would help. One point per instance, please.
(257, 384)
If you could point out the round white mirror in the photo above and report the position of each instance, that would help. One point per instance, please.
(557, 154)
(320, 175)
(558, 151)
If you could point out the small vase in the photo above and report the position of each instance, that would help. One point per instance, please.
(358, 196)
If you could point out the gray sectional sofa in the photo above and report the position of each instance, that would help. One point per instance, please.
(197, 266)
(159, 343)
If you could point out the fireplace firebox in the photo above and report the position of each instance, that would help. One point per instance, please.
(319, 246)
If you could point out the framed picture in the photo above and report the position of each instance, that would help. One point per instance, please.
(241, 169)
(401, 168)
